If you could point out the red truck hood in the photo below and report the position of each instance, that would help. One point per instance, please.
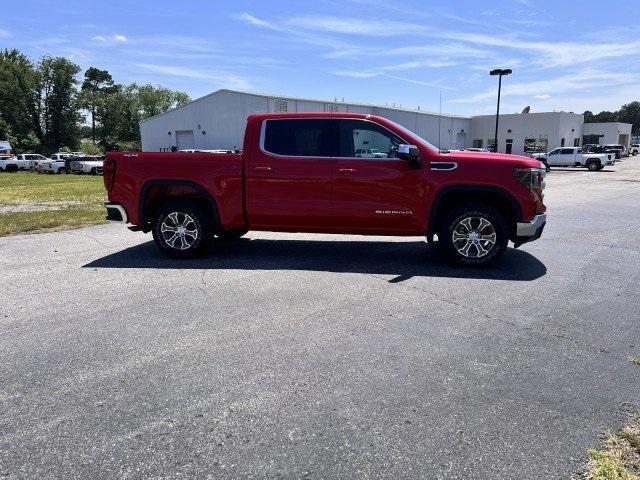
(489, 159)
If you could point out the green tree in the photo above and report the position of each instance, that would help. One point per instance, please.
(94, 93)
(19, 83)
(59, 115)
(630, 113)
(154, 100)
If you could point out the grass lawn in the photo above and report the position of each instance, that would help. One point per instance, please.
(31, 202)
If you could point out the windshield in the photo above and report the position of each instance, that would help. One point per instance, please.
(416, 136)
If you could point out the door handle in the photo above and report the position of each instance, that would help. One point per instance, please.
(263, 169)
(347, 170)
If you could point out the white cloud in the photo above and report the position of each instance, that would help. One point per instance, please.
(583, 80)
(356, 74)
(543, 96)
(356, 26)
(251, 20)
(4, 33)
(110, 40)
(548, 54)
(218, 77)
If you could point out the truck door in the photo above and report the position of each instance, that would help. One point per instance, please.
(289, 175)
(380, 193)
(555, 157)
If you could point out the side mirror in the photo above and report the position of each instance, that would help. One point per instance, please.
(411, 154)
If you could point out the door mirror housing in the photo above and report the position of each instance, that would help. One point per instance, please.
(411, 154)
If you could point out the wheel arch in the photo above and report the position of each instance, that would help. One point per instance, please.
(156, 192)
(453, 196)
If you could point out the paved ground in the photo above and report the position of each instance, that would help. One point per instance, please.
(308, 356)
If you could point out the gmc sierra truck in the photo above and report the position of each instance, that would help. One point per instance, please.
(301, 172)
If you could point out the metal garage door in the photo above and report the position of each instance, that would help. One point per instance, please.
(184, 140)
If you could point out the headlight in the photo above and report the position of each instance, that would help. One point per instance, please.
(532, 179)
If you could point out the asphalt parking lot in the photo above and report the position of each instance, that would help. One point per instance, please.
(322, 356)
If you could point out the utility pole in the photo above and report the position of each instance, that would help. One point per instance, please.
(499, 73)
(440, 122)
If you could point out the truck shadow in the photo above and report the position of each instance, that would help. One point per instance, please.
(404, 260)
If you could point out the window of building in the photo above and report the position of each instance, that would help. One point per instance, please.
(491, 144)
(591, 139)
(536, 145)
(362, 139)
(509, 146)
(281, 105)
(562, 142)
(477, 143)
(301, 137)
(576, 142)
(332, 107)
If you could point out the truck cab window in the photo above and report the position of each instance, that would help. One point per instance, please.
(301, 137)
(367, 140)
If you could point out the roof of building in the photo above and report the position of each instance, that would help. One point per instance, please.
(302, 99)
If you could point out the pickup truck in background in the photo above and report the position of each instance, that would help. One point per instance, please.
(300, 172)
(575, 157)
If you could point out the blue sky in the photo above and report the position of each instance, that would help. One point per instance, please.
(566, 55)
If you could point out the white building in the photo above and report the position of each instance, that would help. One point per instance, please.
(217, 121)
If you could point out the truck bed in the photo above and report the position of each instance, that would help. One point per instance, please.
(217, 174)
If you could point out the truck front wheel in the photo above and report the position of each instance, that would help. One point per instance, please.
(473, 235)
(181, 229)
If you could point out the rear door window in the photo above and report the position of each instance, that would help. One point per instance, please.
(303, 137)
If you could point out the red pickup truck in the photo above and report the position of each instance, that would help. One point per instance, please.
(330, 173)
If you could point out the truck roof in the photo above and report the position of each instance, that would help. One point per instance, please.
(263, 116)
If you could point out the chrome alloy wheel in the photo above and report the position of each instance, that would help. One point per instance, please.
(474, 237)
(179, 230)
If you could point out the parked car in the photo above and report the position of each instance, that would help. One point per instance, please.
(29, 161)
(9, 164)
(619, 150)
(634, 149)
(473, 202)
(574, 157)
(370, 153)
(52, 165)
(86, 165)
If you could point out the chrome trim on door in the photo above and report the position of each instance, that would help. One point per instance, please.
(443, 165)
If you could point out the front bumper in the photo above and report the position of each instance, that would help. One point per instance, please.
(116, 213)
(530, 231)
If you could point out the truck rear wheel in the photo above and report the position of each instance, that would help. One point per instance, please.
(593, 165)
(473, 235)
(181, 229)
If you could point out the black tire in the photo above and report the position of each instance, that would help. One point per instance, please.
(189, 216)
(546, 165)
(60, 170)
(600, 167)
(593, 165)
(232, 234)
(93, 172)
(471, 215)
(12, 168)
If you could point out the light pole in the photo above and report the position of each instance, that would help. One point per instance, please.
(499, 72)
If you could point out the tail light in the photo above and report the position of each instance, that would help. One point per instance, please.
(109, 173)
(532, 179)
